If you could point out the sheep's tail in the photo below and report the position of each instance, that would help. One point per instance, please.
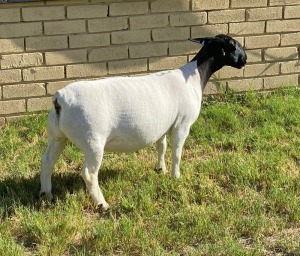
(57, 107)
(56, 103)
(54, 118)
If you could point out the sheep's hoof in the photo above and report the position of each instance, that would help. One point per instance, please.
(46, 196)
(176, 175)
(160, 170)
(102, 209)
(42, 194)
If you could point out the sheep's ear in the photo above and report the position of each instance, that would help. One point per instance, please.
(202, 41)
(215, 41)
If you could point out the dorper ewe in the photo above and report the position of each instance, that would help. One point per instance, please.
(124, 114)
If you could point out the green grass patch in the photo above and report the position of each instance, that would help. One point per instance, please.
(238, 195)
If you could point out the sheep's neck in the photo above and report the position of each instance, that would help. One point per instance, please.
(206, 65)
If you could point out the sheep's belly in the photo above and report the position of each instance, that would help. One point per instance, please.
(125, 144)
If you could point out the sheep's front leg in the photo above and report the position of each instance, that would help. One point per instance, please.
(161, 146)
(90, 172)
(178, 138)
(52, 153)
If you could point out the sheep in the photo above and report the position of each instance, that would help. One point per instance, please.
(125, 114)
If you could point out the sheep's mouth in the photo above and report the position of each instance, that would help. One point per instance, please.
(241, 65)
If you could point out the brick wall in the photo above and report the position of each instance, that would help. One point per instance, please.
(46, 45)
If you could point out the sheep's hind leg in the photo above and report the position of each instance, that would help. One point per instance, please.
(52, 153)
(161, 146)
(90, 172)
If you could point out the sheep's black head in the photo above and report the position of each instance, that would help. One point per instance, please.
(225, 50)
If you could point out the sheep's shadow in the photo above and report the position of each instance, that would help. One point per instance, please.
(24, 191)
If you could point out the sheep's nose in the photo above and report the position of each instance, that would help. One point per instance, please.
(243, 60)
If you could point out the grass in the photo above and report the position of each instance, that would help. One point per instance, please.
(238, 195)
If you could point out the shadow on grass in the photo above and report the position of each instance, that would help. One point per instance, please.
(24, 191)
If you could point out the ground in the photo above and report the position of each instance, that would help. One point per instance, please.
(238, 194)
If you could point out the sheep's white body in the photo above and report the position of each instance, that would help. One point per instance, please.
(128, 113)
(123, 114)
